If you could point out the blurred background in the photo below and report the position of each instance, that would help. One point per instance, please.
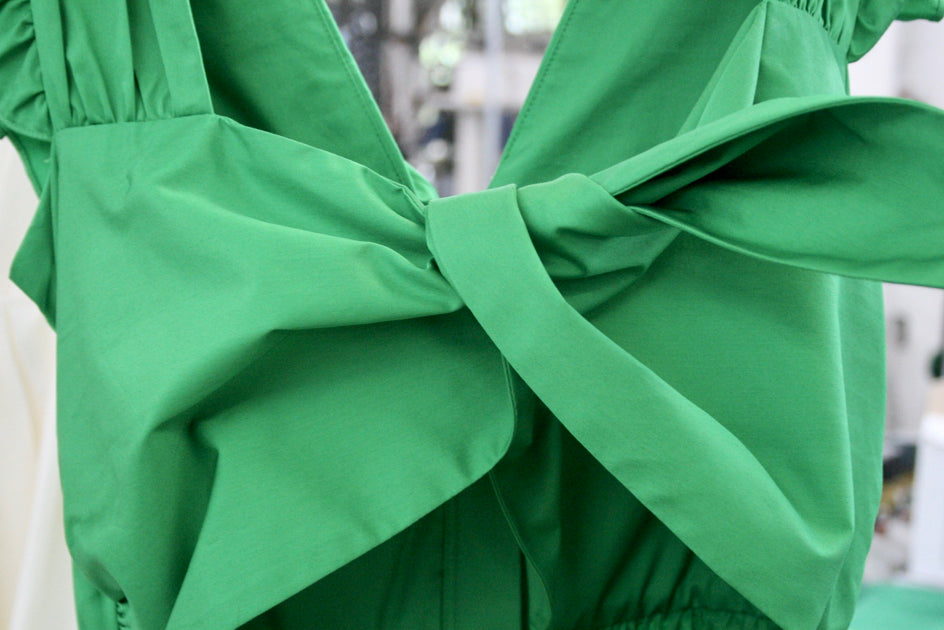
(904, 574)
(450, 77)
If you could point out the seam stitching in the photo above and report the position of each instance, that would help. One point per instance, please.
(368, 106)
(540, 81)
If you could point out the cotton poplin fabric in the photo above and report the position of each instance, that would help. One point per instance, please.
(635, 384)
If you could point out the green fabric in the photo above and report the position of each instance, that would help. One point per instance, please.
(285, 367)
(898, 606)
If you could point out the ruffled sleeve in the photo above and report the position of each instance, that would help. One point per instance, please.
(24, 113)
(60, 69)
(857, 25)
(66, 65)
(875, 16)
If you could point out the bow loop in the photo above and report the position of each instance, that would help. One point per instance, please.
(814, 183)
(621, 411)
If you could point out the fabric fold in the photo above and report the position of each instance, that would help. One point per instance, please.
(858, 222)
(24, 112)
(379, 259)
(23, 108)
(873, 17)
(242, 289)
(631, 420)
(650, 436)
(826, 159)
(273, 357)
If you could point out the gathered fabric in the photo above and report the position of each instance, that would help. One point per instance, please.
(657, 336)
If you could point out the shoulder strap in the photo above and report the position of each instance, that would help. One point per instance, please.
(179, 51)
(106, 61)
(283, 68)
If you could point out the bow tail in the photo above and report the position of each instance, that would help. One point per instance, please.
(853, 188)
(254, 380)
(682, 463)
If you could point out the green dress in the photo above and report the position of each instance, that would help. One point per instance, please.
(635, 385)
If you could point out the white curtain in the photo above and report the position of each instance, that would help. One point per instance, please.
(35, 570)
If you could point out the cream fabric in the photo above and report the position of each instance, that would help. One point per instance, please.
(35, 571)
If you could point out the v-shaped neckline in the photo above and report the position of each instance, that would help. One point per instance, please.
(533, 93)
(520, 122)
(186, 42)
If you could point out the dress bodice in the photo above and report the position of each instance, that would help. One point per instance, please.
(657, 334)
